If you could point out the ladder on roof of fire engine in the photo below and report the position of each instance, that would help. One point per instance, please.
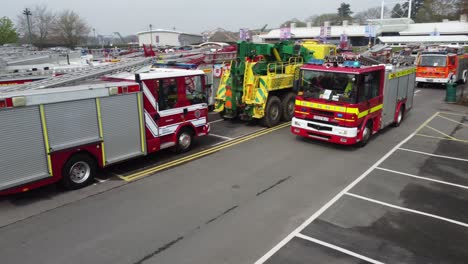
(80, 76)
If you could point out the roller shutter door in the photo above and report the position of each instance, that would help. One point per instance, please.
(121, 127)
(23, 155)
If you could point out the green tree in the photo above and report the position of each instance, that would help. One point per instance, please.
(397, 11)
(298, 22)
(7, 31)
(415, 6)
(319, 20)
(344, 12)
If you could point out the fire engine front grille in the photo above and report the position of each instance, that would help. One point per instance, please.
(319, 127)
(325, 113)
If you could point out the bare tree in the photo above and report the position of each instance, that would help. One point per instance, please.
(70, 28)
(41, 22)
(44, 20)
(371, 13)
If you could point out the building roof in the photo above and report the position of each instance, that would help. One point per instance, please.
(402, 26)
(444, 28)
(166, 31)
(425, 39)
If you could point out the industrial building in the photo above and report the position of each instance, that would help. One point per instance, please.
(162, 38)
(392, 31)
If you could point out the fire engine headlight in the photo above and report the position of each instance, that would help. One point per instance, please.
(297, 123)
(342, 132)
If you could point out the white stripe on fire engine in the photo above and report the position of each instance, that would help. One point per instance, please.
(151, 125)
(180, 110)
(149, 95)
(172, 128)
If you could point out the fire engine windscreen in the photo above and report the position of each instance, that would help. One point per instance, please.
(433, 61)
(332, 86)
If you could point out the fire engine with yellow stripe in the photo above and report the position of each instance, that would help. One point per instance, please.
(340, 100)
(62, 132)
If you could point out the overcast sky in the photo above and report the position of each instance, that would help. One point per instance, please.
(129, 17)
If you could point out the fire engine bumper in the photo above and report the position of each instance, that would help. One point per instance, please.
(325, 132)
(432, 80)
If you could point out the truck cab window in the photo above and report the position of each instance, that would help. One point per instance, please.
(194, 91)
(167, 94)
(370, 85)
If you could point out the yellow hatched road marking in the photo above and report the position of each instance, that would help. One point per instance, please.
(144, 173)
(440, 132)
(455, 121)
(443, 138)
(46, 139)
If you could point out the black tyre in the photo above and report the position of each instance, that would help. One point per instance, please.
(272, 112)
(366, 135)
(78, 172)
(184, 140)
(400, 117)
(287, 104)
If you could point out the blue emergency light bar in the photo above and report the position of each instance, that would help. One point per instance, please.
(352, 64)
(316, 61)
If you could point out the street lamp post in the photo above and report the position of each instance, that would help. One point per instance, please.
(151, 34)
(28, 13)
(94, 33)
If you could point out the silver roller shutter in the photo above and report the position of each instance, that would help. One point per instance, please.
(72, 124)
(23, 155)
(121, 127)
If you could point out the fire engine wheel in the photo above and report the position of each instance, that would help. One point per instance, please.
(272, 112)
(288, 105)
(184, 140)
(400, 117)
(78, 171)
(366, 135)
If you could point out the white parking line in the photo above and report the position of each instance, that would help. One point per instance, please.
(423, 178)
(433, 155)
(417, 91)
(408, 210)
(216, 121)
(219, 136)
(339, 195)
(356, 255)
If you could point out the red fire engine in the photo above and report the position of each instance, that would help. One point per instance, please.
(442, 65)
(64, 134)
(346, 104)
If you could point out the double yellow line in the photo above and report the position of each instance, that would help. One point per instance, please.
(227, 144)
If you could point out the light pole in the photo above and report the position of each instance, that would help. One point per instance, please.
(94, 33)
(151, 34)
(28, 13)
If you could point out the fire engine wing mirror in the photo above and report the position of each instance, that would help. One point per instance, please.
(296, 86)
(156, 116)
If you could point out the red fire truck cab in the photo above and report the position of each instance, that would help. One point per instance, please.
(346, 104)
(64, 134)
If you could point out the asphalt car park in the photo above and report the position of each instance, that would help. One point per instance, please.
(406, 208)
(18, 207)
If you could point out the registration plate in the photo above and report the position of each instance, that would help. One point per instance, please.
(429, 80)
(321, 118)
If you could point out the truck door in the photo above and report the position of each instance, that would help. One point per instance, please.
(452, 67)
(370, 95)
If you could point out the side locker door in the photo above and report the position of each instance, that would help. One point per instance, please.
(23, 157)
(410, 94)
(122, 125)
(390, 98)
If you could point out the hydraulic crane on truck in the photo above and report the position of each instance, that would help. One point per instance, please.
(259, 83)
